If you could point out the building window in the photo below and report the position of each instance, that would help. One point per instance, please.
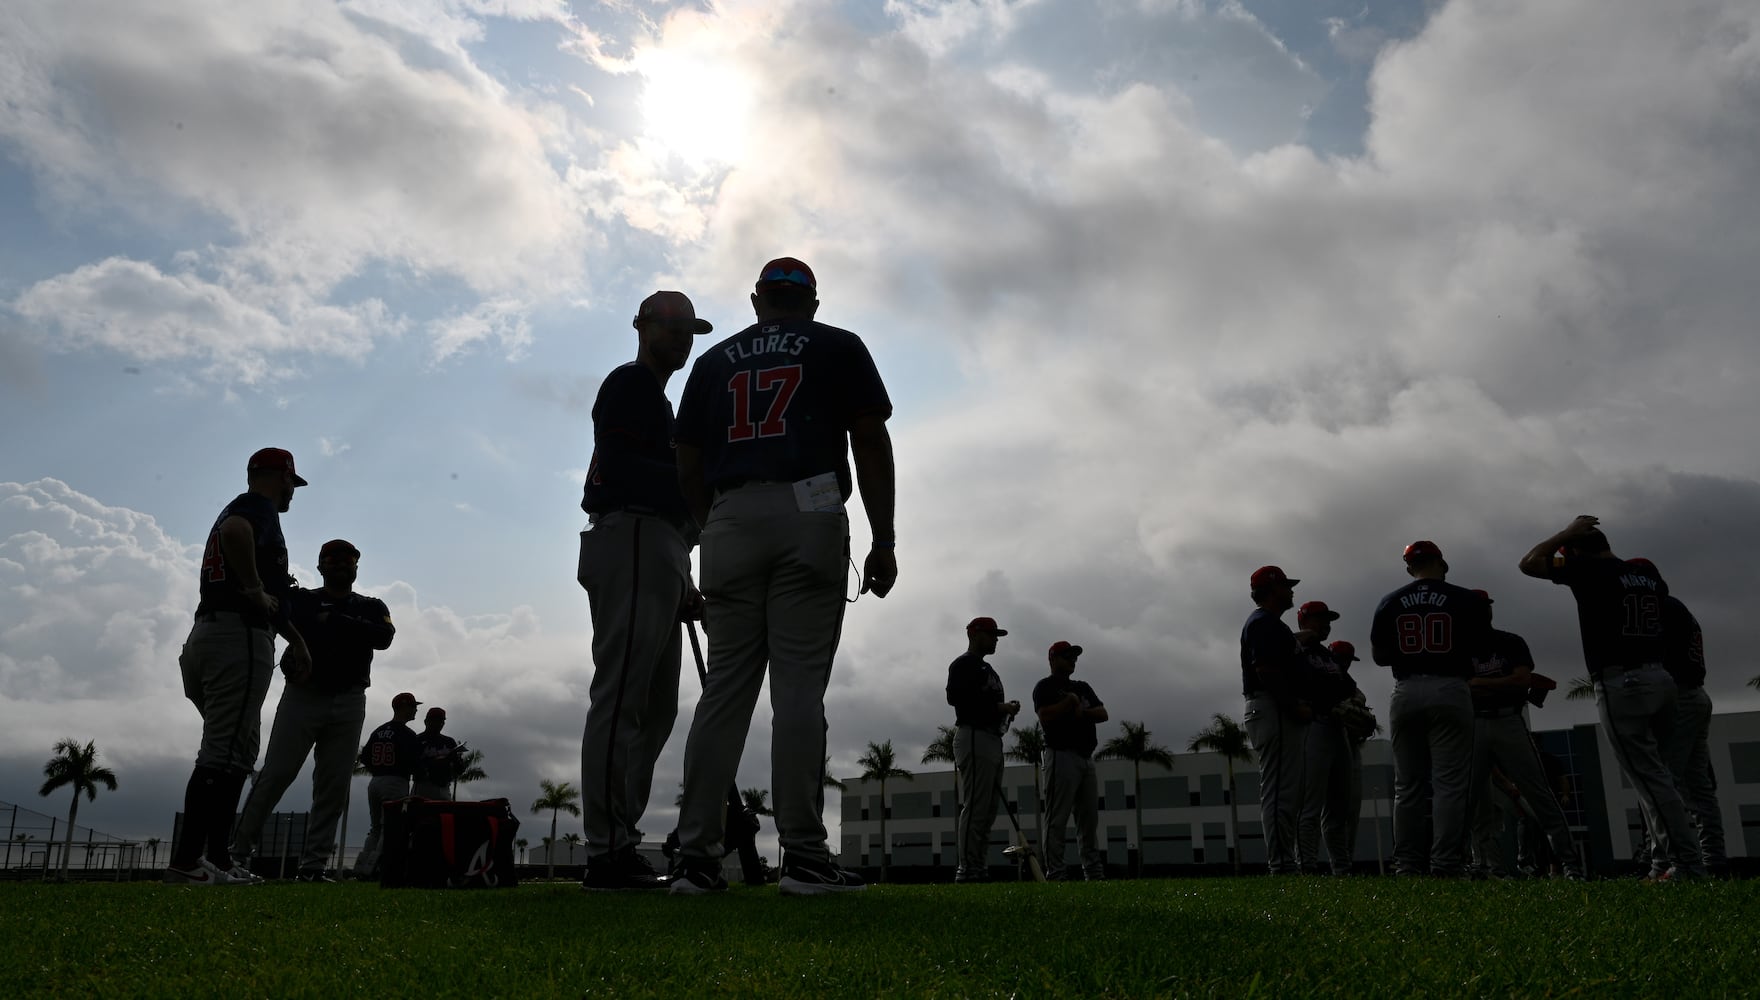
(1744, 760)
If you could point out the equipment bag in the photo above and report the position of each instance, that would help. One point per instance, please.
(448, 845)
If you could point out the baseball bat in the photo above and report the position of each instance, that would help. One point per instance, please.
(1033, 866)
(733, 795)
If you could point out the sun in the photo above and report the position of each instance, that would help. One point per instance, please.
(694, 107)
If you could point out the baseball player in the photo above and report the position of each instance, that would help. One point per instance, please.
(1429, 631)
(1069, 711)
(1620, 616)
(980, 718)
(1326, 772)
(766, 421)
(390, 755)
(1274, 682)
(439, 759)
(1358, 721)
(323, 714)
(1688, 750)
(635, 567)
(1501, 742)
(229, 659)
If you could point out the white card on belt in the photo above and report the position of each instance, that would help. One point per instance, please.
(819, 494)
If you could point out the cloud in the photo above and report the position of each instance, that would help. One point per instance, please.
(320, 140)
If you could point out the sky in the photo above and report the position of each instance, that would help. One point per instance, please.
(1164, 290)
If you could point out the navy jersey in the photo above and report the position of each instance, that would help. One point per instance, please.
(1325, 682)
(1686, 644)
(342, 635)
(1270, 659)
(1431, 627)
(220, 585)
(392, 750)
(1619, 611)
(974, 690)
(776, 402)
(1506, 652)
(439, 758)
(633, 463)
(1071, 733)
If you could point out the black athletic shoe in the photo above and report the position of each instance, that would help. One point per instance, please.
(619, 871)
(697, 877)
(817, 878)
(318, 877)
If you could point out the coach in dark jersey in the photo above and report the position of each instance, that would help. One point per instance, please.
(229, 659)
(441, 760)
(980, 718)
(1687, 749)
(1273, 681)
(391, 755)
(635, 566)
(1070, 710)
(1429, 631)
(323, 714)
(1500, 684)
(1326, 758)
(766, 424)
(1619, 612)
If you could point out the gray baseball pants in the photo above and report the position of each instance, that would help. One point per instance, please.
(636, 571)
(328, 726)
(1501, 740)
(977, 757)
(1327, 800)
(1432, 722)
(380, 790)
(1688, 753)
(1072, 787)
(227, 667)
(774, 583)
(1637, 707)
(1278, 738)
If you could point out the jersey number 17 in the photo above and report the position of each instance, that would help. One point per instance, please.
(781, 382)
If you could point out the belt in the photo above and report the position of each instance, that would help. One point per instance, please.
(1622, 668)
(741, 482)
(678, 521)
(214, 616)
(1498, 713)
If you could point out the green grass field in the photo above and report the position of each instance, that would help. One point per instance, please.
(1362, 937)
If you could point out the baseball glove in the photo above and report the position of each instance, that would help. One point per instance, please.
(1358, 720)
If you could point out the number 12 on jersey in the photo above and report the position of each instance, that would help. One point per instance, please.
(782, 382)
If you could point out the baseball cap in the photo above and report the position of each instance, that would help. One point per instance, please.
(1422, 549)
(1317, 609)
(1270, 576)
(337, 547)
(1590, 542)
(787, 271)
(1061, 648)
(1486, 596)
(274, 460)
(672, 308)
(1646, 565)
(404, 699)
(983, 624)
(436, 712)
(1344, 649)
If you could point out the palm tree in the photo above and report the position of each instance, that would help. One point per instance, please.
(573, 840)
(1133, 744)
(77, 766)
(1581, 689)
(830, 782)
(880, 764)
(153, 849)
(1029, 748)
(757, 800)
(558, 797)
(940, 750)
(469, 769)
(522, 843)
(1229, 738)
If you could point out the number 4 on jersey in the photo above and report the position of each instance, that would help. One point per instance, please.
(783, 382)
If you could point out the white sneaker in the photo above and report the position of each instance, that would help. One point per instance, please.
(239, 874)
(204, 873)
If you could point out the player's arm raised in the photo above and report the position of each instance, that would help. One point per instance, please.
(1538, 562)
(871, 446)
